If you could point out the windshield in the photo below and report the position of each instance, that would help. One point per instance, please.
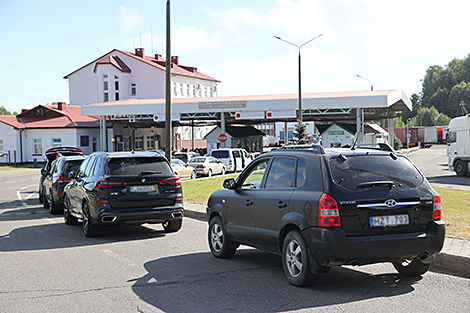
(369, 171)
(220, 154)
(197, 160)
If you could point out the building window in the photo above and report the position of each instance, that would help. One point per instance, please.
(181, 90)
(150, 142)
(56, 142)
(1, 146)
(94, 143)
(133, 89)
(175, 87)
(139, 142)
(84, 141)
(116, 96)
(194, 90)
(188, 90)
(105, 85)
(116, 84)
(106, 97)
(37, 146)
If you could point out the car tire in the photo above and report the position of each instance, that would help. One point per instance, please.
(220, 244)
(90, 229)
(54, 207)
(209, 173)
(460, 168)
(295, 260)
(41, 197)
(45, 202)
(193, 175)
(68, 218)
(172, 226)
(411, 267)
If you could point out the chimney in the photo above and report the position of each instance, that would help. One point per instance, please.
(140, 52)
(24, 111)
(61, 106)
(175, 59)
(158, 57)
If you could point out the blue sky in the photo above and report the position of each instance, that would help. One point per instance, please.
(391, 43)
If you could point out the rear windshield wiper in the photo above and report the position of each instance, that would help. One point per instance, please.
(384, 183)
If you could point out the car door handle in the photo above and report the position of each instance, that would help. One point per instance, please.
(281, 204)
(248, 202)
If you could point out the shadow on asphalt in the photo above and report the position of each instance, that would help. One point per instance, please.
(53, 233)
(254, 281)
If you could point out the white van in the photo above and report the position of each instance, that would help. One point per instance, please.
(234, 159)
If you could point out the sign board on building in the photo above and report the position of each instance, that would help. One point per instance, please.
(161, 117)
(250, 115)
(281, 114)
(222, 105)
(336, 132)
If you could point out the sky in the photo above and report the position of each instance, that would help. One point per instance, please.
(390, 43)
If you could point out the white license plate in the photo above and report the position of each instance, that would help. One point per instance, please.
(391, 220)
(151, 188)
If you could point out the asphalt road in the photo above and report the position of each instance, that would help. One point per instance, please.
(433, 163)
(47, 266)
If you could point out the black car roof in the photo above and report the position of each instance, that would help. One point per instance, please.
(126, 154)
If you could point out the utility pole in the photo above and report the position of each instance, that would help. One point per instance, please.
(168, 125)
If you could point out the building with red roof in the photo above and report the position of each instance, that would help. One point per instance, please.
(27, 135)
(119, 75)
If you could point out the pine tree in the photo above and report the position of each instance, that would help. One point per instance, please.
(300, 132)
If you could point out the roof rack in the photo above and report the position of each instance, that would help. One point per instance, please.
(311, 147)
(373, 146)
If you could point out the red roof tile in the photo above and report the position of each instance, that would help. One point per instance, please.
(48, 116)
(114, 61)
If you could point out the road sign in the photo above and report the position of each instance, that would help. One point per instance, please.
(222, 138)
(155, 118)
(408, 135)
(315, 138)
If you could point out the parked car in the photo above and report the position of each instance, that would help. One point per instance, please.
(207, 165)
(321, 208)
(55, 183)
(51, 154)
(185, 156)
(234, 159)
(113, 188)
(183, 170)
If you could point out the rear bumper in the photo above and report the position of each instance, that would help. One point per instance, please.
(331, 247)
(107, 216)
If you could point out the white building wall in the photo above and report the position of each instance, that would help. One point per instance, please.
(336, 136)
(9, 136)
(93, 137)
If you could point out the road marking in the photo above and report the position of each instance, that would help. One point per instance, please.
(50, 220)
(119, 258)
(18, 194)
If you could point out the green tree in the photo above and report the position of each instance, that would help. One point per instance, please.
(429, 117)
(4, 111)
(300, 132)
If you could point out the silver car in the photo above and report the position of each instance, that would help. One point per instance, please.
(207, 165)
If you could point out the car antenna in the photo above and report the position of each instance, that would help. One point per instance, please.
(355, 142)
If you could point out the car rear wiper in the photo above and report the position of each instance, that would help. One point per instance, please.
(383, 183)
(149, 172)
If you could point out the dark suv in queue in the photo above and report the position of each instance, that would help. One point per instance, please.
(124, 187)
(55, 182)
(51, 155)
(321, 207)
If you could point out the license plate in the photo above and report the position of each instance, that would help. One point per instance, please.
(151, 188)
(391, 220)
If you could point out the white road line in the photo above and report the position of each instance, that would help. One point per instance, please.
(119, 258)
(18, 194)
(50, 220)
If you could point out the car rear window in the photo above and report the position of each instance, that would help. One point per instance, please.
(72, 166)
(360, 171)
(220, 154)
(136, 166)
(197, 160)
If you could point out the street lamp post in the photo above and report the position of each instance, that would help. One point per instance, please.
(371, 86)
(300, 76)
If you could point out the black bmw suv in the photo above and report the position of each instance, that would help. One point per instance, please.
(113, 188)
(321, 207)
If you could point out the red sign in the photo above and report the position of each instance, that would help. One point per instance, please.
(222, 138)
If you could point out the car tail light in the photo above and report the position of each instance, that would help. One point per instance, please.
(436, 205)
(103, 183)
(328, 212)
(63, 179)
(174, 181)
(230, 162)
(200, 166)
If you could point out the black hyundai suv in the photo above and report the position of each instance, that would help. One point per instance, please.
(113, 188)
(321, 207)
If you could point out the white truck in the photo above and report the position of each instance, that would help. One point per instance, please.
(458, 145)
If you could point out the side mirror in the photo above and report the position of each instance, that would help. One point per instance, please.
(229, 183)
(72, 175)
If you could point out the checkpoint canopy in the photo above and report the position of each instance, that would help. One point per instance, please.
(327, 106)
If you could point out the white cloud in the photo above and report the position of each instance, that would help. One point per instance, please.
(190, 39)
(129, 17)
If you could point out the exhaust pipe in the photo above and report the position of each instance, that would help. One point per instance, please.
(177, 215)
(109, 219)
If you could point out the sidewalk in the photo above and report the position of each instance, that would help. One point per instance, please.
(454, 257)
